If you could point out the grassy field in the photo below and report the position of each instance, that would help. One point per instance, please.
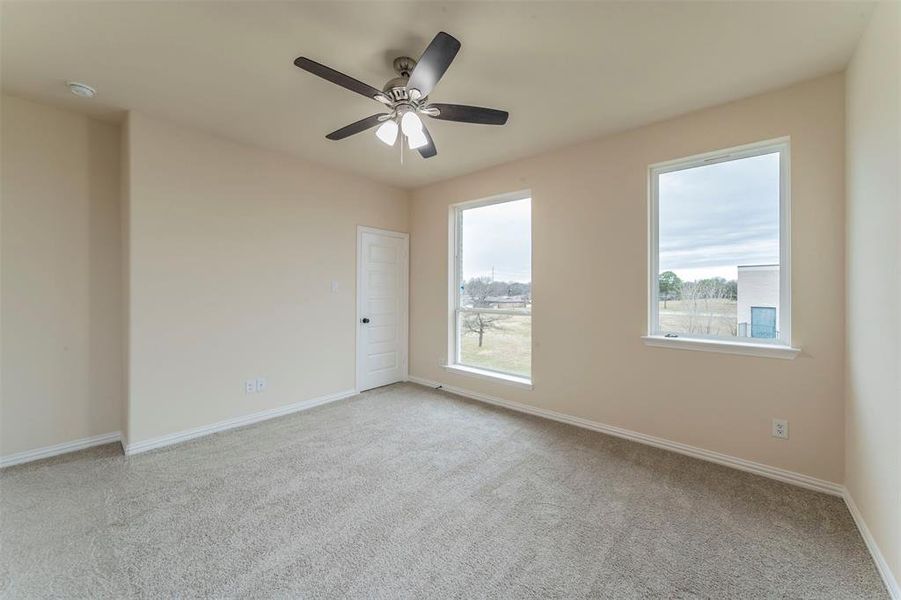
(709, 317)
(507, 348)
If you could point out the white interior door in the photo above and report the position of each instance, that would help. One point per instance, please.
(382, 268)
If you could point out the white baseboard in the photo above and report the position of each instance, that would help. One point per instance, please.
(263, 415)
(882, 566)
(57, 449)
(784, 475)
(799, 479)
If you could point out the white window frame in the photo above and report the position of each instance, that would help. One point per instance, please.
(455, 277)
(780, 347)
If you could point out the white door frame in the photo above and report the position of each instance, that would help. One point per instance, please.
(405, 307)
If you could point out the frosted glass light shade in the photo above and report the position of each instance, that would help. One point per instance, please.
(387, 132)
(417, 140)
(410, 124)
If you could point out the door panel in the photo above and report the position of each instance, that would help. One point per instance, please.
(382, 302)
(763, 322)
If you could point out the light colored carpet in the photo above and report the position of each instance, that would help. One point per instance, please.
(405, 492)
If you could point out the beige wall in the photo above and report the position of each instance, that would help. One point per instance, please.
(873, 414)
(61, 336)
(589, 270)
(232, 250)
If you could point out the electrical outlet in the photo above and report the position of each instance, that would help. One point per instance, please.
(261, 384)
(780, 428)
(250, 386)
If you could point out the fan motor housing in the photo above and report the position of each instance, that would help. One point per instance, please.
(396, 88)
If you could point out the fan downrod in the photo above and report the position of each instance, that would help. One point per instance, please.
(404, 65)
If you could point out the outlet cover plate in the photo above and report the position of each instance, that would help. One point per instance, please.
(780, 429)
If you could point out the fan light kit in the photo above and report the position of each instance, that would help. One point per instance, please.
(387, 132)
(406, 97)
(81, 89)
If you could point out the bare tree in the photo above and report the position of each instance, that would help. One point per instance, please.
(479, 323)
(479, 290)
(702, 301)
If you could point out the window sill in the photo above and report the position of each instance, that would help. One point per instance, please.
(515, 381)
(724, 347)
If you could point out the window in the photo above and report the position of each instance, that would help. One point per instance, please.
(491, 288)
(719, 247)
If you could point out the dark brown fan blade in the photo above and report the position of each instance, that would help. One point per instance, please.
(470, 114)
(433, 63)
(353, 128)
(338, 78)
(429, 150)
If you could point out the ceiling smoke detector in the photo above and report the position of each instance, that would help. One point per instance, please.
(81, 89)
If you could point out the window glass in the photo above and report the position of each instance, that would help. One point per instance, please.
(718, 271)
(494, 287)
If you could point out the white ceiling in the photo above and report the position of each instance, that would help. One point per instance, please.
(565, 71)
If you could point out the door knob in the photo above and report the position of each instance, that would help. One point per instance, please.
(364, 320)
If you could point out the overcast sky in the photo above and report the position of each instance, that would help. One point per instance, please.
(712, 219)
(499, 237)
(716, 217)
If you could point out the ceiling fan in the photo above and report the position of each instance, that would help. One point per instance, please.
(406, 97)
